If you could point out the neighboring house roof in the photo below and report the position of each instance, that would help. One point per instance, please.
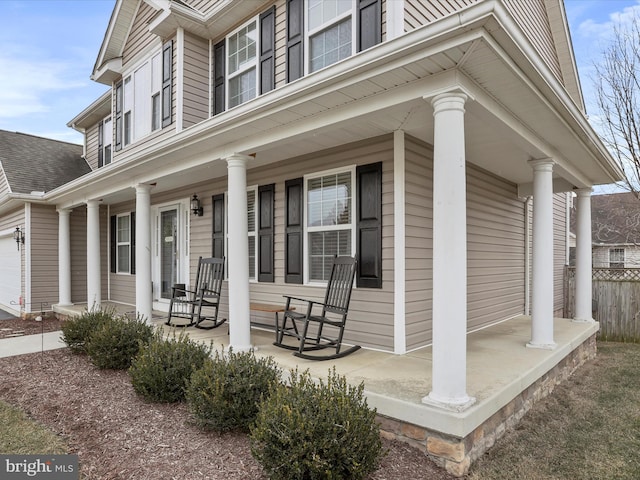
(615, 219)
(36, 164)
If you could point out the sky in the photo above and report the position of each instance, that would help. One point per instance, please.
(48, 49)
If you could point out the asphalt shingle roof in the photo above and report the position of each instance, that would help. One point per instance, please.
(37, 164)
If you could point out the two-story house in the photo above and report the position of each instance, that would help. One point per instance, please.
(434, 140)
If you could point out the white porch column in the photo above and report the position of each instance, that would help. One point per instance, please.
(238, 261)
(449, 382)
(542, 272)
(64, 257)
(94, 299)
(144, 295)
(583, 311)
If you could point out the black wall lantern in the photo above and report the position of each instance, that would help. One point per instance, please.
(196, 208)
(18, 236)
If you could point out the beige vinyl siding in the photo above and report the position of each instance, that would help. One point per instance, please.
(122, 286)
(532, 18)
(196, 80)
(371, 311)
(139, 37)
(421, 12)
(559, 250)
(78, 229)
(4, 184)
(418, 242)
(9, 221)
(600, 257)
(44, 257)
(92, 147)
(495, 249)
(281, 44)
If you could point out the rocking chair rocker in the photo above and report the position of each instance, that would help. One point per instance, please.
(336, 304)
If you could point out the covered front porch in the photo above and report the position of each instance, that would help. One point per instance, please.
(504, 377)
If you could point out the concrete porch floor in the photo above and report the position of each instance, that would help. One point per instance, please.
(499, 368)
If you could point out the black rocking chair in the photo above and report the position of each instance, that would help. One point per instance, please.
(188, 304)
(336, 303)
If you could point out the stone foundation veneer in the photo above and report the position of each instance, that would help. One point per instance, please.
(456, 454)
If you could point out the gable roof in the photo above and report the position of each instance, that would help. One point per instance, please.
(37, 164)
(615, 219)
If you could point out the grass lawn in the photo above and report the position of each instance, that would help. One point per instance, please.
(21, 436)
(589, 428)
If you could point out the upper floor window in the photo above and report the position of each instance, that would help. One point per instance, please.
(143, 98)
(616, 258)
(329, 31)
(105, 139)
(244, 63)
(323, 32)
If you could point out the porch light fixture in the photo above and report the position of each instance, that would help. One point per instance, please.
(18, 236)
(196, 208)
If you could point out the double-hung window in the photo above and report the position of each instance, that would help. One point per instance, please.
(123, 244)
(143, 98)
(330, 204)
(330, 32)
(242, 63)
(105, 139)
(616, 258)
(322, 32)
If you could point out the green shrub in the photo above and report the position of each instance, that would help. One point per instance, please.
(162, 369)
(77, 331)
(314, 431)
(226, 392)
(116, 342)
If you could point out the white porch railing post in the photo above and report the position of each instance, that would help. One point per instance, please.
(144, 295)
(542, 272)
(64, 257)
(449, 381)
(583, 311)
(94, 299)
(238, 251)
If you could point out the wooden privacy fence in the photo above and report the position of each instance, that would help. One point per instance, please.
(616, 301)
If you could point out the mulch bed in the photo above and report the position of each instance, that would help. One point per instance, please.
(17, 326)
(118, 436)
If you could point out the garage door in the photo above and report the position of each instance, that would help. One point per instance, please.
(9, 272)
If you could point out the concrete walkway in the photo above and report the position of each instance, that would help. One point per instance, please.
(30, 344)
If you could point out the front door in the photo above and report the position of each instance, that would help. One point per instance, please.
(171, 256)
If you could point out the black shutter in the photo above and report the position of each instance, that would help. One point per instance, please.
(369, 225)
(369, 23)
(167, 74)
(267, 50)
(118, 123)
(295, 39)
(132, 226)
(266, 195)
(293, 231)
(112, 242)
(217, 238)
(218, 78)
(100, 144)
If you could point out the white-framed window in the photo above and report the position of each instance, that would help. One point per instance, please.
(123, 243)
(616, 258)
(141, 100)
(330, 32)
(107, 136)
(330, 224)
(242, 64)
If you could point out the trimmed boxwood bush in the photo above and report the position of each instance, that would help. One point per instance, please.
(117, 341)
(162, 369)
(226, 392)
(314, 431)
(77, 331)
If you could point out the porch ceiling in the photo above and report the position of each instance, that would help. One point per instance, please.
(516, 112)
